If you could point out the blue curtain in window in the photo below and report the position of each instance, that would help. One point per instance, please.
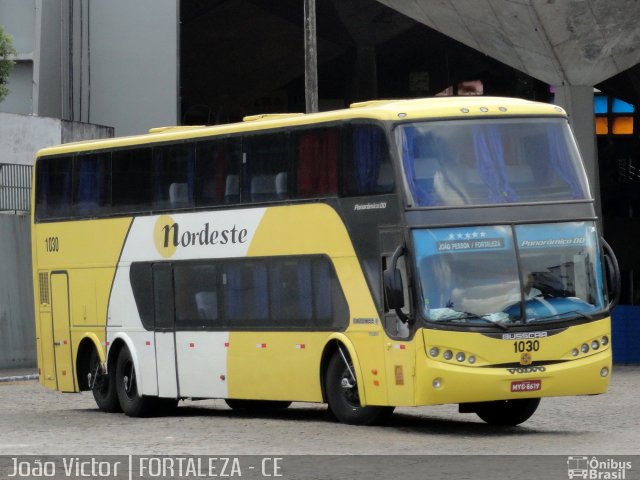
(305, 293)
(491, 163)
(367, 155)
(406, 138)
(560, 160)
(322, 287)
(87, 194)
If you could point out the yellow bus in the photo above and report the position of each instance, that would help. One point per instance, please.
(394, 253)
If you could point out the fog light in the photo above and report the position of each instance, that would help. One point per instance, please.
(604, 372)
(595, 344)
(604, 341)
(460, 356)
(434, 352)
(447, 355)
(574, 352)
(584, 348)
(437, 383)
(472, 359)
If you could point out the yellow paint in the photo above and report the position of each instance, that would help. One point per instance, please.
(169, 249)
(87, 255)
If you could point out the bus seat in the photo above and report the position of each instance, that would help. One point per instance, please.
(426, 168)
(263, 187)
(282, 190)
(178, 194)
(207, 303)
(232, 189)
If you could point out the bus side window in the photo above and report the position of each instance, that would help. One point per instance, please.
(131, 185)
(316, 161)
(91, 184)
(367, 164)
(173, 176)
(267, 157)
(217, 172)
(54, 187)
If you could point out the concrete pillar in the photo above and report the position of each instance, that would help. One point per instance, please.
(578, 102)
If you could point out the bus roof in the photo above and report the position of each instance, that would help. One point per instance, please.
(389, 110)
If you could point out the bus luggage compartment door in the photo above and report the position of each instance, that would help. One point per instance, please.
(61, 331)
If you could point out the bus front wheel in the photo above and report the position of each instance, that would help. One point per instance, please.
(133, 404)
(102, 385)
(343, 397)
(507, 412)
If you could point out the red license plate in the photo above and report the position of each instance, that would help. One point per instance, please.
(526, 386)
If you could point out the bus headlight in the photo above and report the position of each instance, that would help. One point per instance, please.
(604, 372)
(595, 345)
(434, 352)
(460, 356)
(604, 341)
(447, 355)
(584, 348)
(575, 352)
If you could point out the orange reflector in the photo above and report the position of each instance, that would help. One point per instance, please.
(602, 125)
(376, 383)
(64, 372)
(623, 125)
(223, 378)
(374, 371)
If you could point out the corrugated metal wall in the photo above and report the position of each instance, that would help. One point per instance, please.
(17, 326)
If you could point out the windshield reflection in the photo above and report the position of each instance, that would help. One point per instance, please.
(471, 275)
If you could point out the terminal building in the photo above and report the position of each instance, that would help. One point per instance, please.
(87, 69)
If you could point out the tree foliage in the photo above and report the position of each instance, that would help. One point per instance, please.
(6, 63)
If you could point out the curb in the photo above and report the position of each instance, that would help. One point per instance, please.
(19, 378)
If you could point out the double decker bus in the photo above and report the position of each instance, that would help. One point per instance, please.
(395, 253)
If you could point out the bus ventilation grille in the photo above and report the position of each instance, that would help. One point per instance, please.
(44, 288)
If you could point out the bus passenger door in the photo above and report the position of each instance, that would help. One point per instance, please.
(61, 331)
(164, 331)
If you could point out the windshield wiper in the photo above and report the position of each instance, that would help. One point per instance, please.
(576, 312)
(474, 316)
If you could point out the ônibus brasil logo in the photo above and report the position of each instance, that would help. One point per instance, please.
(168, 235)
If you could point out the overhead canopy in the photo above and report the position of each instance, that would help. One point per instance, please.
(556, 41)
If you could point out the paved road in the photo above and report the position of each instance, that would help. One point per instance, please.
(37, 421)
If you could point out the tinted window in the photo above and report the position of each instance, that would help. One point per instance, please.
(196, 294)
(218, 172)
(173, 176)
(267, 167)
(131, 186)
(54, 187)
(316, 161)
(294, 293)
(92, 184)
(367, 165)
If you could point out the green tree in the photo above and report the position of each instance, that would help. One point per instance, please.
(6, 64)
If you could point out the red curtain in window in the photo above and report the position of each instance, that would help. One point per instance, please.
(317, 162)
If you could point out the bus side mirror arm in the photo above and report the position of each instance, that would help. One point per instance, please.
(613, 274)
(393, 286)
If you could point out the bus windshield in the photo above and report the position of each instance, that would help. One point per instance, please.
(480, 162)
(508, 275)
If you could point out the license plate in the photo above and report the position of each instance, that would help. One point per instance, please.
(526, 386)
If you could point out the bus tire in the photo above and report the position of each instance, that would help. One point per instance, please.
(103, 386)
(343, 397)
(132, 403)
(236, 404)
(507, 412)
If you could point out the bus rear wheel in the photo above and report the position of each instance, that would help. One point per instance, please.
(343, 397)
(507, 412)
(133, 404)
(102, 385)
(236, 404)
